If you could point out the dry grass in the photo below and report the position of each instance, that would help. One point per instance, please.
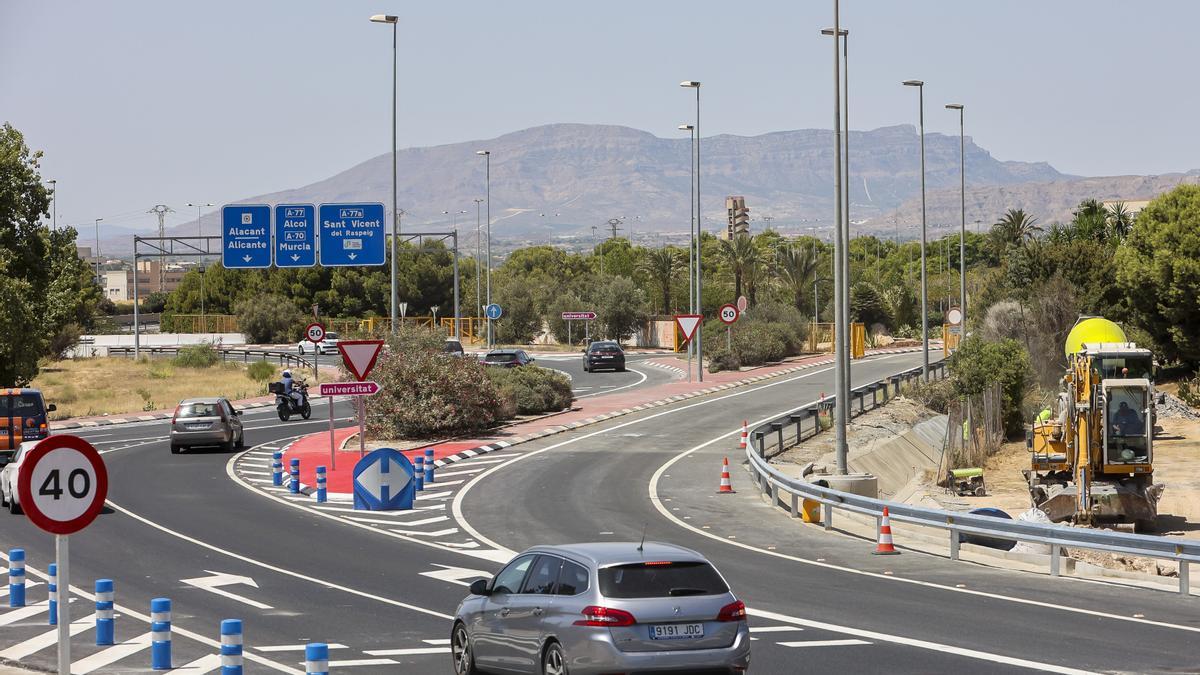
(99, 386)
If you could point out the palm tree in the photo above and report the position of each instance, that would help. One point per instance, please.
(1016, 227)
(797, 270)
(1120, 219)
(661, 265)
(740, 254)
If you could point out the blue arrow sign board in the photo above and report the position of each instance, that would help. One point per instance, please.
(246, 236)
(295, 235)
(351, 234)
(493, 311)
(383, 481)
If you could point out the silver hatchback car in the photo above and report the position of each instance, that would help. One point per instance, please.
(206, 421)
(611, 607)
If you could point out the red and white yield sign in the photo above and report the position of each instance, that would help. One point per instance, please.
(728, 314)
(315, 332)
(62, 484)
(687, 324)
(359, 356)
(348, 389)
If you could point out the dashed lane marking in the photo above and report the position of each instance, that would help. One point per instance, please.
(823, 643)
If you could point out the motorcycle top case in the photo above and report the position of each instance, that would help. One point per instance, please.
(275, 387)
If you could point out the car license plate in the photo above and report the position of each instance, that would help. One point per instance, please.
(676, 631)
(198, 427)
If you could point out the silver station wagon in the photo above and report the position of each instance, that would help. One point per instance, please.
(611, 607)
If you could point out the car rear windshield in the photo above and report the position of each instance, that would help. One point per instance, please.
(452, 347)
(331, 336)
(21, 405)
(500, 358)
(606, 346)
(661, 580)
(198, 410)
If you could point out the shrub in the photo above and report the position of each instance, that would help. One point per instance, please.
(261, 371)
(1189, 391)
(269, 318)
(196, 356)
(427, 394)
(532, 390)
(722, 359)
(977, 364)
(934, 394)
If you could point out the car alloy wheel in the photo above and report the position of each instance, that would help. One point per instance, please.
(460, 650)
(554, 662)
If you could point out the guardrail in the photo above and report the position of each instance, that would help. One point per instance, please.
(242, 354)
(769, 480)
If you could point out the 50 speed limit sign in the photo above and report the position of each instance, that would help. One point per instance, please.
(728, 314)
(62, 484)
(315, 332)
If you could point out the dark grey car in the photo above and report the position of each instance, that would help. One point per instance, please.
(206, 421)
(602, 608)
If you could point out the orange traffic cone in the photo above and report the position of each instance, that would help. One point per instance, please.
(885, 547)
(726, 487)
(745, 435)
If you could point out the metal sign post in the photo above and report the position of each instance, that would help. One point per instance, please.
(71, 485)
(332, 443)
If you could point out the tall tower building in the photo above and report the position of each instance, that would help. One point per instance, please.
(737, 217)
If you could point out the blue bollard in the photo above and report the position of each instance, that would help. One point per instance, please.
(322, 495)
(294, 484)
(16, 577)
(104, 612)
(316, 658)
(52, 585)
(160, 634)
(428, 465)
(231, 647)
(419, 472)
(277, 469)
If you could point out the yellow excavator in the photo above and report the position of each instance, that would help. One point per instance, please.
(1093, 462)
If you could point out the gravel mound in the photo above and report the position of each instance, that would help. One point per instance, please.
(1173, 407)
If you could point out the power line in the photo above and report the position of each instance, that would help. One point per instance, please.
(161, 210)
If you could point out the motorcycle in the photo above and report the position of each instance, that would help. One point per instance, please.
(287, 406)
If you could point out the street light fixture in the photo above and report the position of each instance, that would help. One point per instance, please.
(394, 21)
(698, 305)
(199, 232)
(920, 85)
(487, 162)
(962, 193)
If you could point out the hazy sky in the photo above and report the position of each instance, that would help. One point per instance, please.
(138, 103)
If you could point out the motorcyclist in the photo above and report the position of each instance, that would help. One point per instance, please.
(291, 390)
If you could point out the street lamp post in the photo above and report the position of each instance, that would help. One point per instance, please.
(841, 325)
(924, 289)
(487, 163)
(698, 308)
(962, 193)
(691, 232)
(478, 257)
(200, 232)
(843, 225)
(394, 21)
(96, 254)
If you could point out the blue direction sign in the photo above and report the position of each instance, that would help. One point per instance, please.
(351, 234)
(383, 481)
(246, 236)
(493, 311)
(295, 235)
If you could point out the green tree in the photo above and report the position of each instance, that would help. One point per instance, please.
(1158, 268)
(868, 306)
(1014, 229)
(19, 349)
(521, 320)
(269, 319)
(739, 255)
(661, 265)
(977, 364)
(1120, 220)
(797, 271)
(620, 308)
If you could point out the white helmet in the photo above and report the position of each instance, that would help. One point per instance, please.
(287, 373)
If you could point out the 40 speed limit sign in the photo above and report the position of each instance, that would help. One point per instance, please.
(62, 484)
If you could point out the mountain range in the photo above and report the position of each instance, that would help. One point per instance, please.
(563, 179)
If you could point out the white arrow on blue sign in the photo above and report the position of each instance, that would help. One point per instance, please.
(383, 481)
(493, 311)
(351, 234)
(246, 236)
(295, 235)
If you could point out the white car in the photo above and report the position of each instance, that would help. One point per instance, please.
(328, 345)
(8, 476)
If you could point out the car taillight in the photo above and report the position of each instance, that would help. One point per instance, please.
(734, 611)
(175, 415)
(594, 615)
(30, 422)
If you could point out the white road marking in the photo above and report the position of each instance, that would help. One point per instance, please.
(28, 585)
(920, 644)
(823, 643)
(419, 533)
(434, 495)
(361, 662)
(23, 613)
(609, 391)
(36, 644)
(292, 648)
(412, 651)
(444, 641)
(464, 472)
(455, 575)
(773, 629)
(201, 666)
(406, 523)
(111, 655)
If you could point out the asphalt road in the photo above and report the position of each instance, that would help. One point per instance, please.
(296, 573)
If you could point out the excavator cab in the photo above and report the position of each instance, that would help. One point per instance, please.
(1128, 437)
